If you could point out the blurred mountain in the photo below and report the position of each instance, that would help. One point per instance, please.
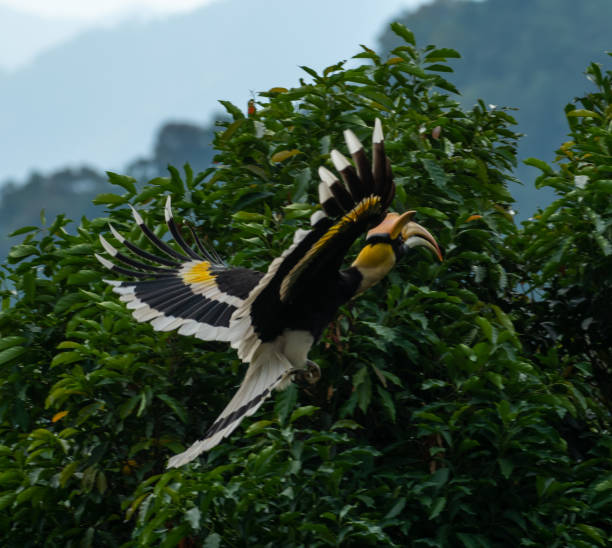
(99, 97)
(70, 191)
(529, 54)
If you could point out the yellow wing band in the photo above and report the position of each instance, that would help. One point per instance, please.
(366, 206)
(198, 273)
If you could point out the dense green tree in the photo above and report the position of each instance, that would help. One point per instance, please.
(567, 246)
(67, 191)
(441, 419)
(527, 54)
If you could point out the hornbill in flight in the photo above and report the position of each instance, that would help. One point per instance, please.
(272, 318)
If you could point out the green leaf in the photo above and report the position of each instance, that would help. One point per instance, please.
(65, 302)
(126, 408)
(175, 406)
(283, 155)
(11, 353)
(593, 533)
(67, 472)
(66, 358)
(442, 54)
(109, 199)
(69, 344)
(346, 423)
(505, 412)
(378, 97)
(232, 109)
(23, 230)
(7, 342)
(387, 401)
(122, 180)
(257, 427)
(605, 485)
(439, 68)
(285, 402)
(583, 113)
(540, 164)
(396, 509)
(496, 379)
(6, 500)
(506, 467)
(604, 185)
(247, 216)
(486, 328)
(435, 171)
(434, 213)
(403, 32)
(21, 251)
(84, 277)
(310, 71)
(304, 411)
(437, 507)
(232, 128)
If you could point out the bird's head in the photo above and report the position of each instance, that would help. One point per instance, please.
(387, 242)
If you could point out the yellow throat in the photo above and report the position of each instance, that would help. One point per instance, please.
(374, 262)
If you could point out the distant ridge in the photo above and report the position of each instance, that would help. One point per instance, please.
(99, 98)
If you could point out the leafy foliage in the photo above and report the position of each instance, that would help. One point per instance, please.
(527, 54)
(568, 252)
(436, 423)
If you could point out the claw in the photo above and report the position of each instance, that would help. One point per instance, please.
(310, 375)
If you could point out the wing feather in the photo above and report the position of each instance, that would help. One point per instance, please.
(194, 293)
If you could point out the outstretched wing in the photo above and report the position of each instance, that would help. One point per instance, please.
(195, 293)
(348, 209)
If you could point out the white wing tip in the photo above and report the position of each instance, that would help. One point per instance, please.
(168, 208)
(324, 192)
(340, 161)
(377, 135)
(326, 175)
(300, 234)
(105, 262)
(136, 215)
(352, 142)
(108, 247)
(317, 216)
(116, 234)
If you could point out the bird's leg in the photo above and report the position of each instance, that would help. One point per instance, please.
(310, 375)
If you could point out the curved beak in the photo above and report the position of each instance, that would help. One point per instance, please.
(415, 235)
(392, 225)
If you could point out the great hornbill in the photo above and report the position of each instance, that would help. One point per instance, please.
(273, 318)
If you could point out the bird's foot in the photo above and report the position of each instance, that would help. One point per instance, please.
(310, 375)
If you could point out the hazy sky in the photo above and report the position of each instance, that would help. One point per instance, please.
(57, 71)
(29, 27)
(94, 9)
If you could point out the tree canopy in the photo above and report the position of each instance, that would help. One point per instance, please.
(465, 403)
(526, 54)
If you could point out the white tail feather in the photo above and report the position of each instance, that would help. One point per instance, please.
(268, 369)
